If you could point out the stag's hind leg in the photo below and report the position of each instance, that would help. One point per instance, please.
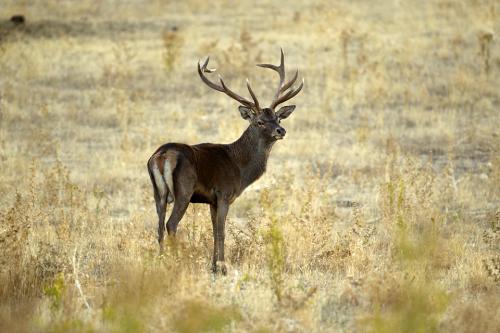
(160, 191)
(161, 210)
(184, 182)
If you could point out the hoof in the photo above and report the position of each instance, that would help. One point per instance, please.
(219, 268)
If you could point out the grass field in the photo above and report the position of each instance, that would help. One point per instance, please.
(379, 212)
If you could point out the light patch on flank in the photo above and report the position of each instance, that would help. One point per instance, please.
(167, 173)
(160, 183)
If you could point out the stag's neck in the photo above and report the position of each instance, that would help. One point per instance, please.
(250, 153)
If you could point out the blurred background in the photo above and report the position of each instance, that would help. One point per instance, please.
(378, 212)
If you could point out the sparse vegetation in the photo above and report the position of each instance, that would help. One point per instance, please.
(172, 43)
(388, 222)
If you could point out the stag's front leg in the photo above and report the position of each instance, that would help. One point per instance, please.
(218, 214)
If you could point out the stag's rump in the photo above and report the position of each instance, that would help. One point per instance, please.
(163, 165)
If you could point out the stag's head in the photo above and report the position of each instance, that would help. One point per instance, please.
(265, 119)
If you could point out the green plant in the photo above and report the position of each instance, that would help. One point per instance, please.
(55, 291)
(276, 258)
(200, 317)
(415, 303)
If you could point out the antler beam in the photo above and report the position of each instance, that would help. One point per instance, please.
(223, 87)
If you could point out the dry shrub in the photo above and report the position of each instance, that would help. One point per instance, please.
(474, 315)
(172, 43)
(242, 51)
(408, 297)
(31, 261)
(197, 316)
(247, 243)
(37, 234)
(131, 295)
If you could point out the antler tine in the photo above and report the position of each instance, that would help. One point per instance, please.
(223, 88)
(290, 94)
(282, 85)
(255, 100)
(281, 71)
(290, 83)
(202, 69)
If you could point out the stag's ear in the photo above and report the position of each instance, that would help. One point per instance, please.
(285, 111)
(246, 112)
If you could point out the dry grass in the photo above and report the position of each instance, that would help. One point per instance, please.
(379, 212)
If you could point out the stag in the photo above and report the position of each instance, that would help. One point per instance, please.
(216, 174)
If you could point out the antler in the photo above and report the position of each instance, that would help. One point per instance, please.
(278, 98)
(223, 88)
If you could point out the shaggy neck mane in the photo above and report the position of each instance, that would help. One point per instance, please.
(250, 153)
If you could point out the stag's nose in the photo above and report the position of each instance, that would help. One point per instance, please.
(280, 132)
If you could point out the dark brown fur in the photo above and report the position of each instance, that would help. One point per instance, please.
(18, 19)
(215, 174)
